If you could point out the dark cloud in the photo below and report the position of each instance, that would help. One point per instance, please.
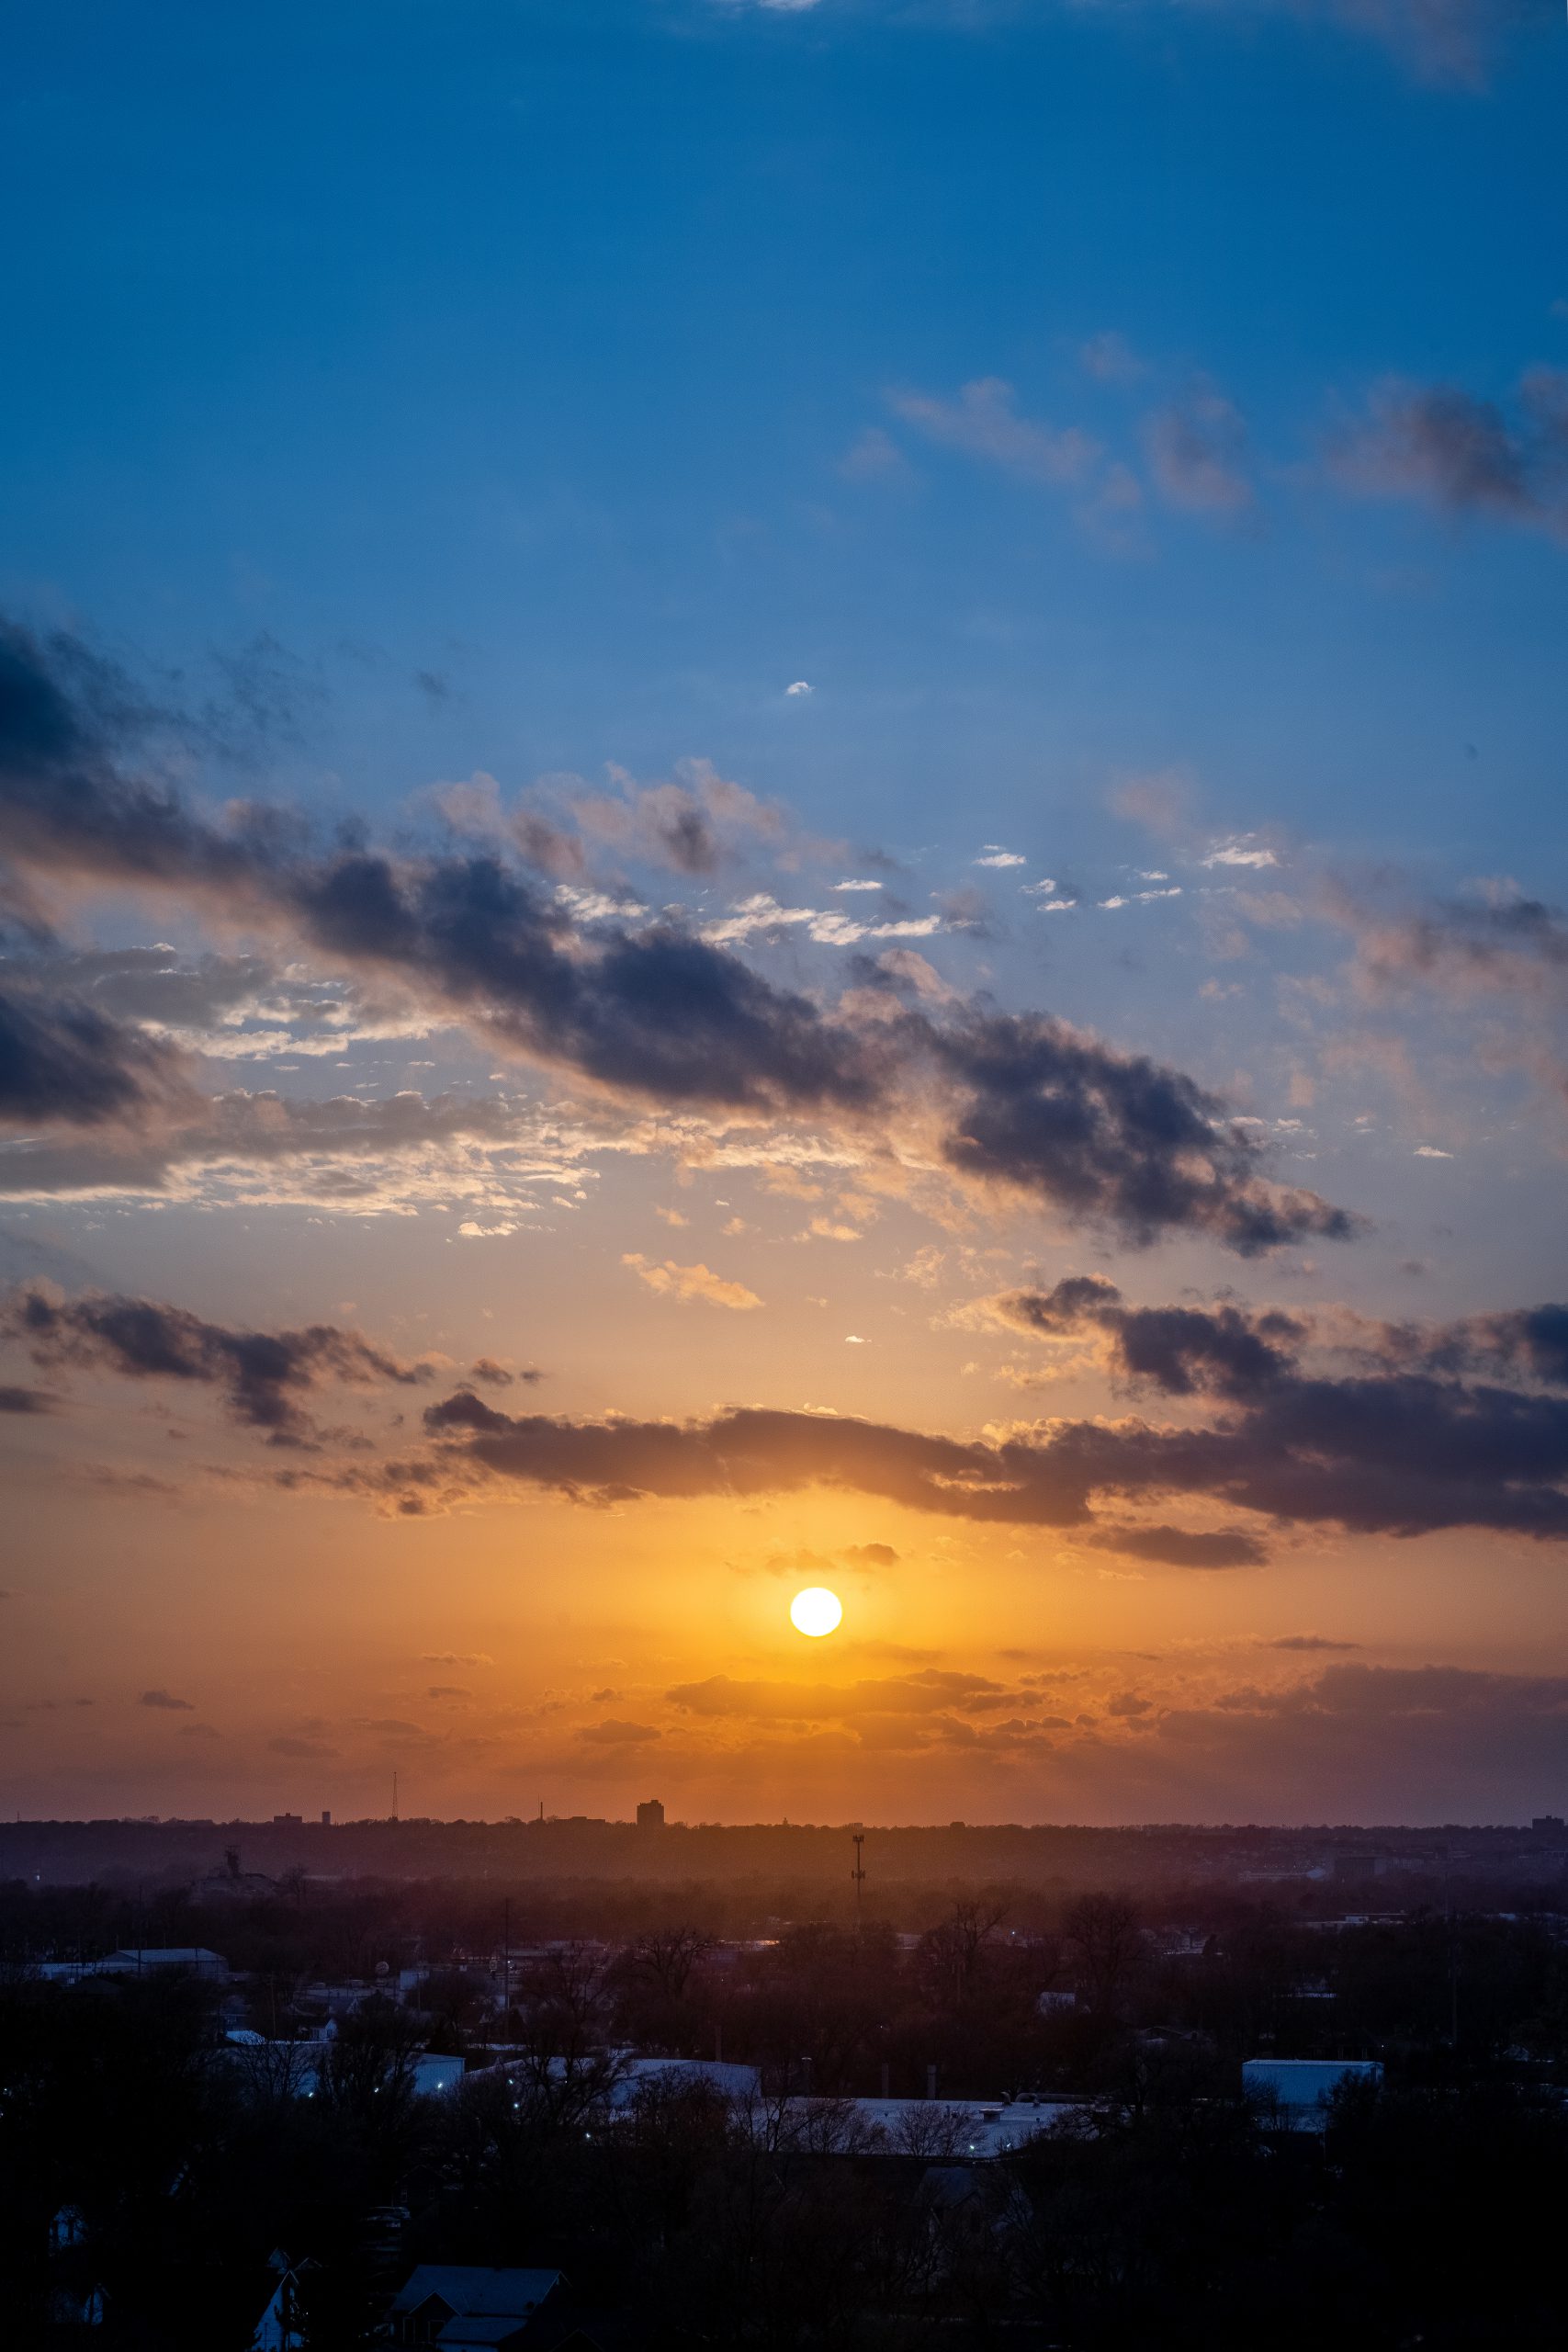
(498, 1375)
(655, 1014)
(870, 1555)
(1113, 1138)
(752, 1451)
(619, 1734)
(658, 1013)
(1404, 1442)
(1184, 1547)
(28, 1400)
(1463, 455)
(1184, 1352)
(263, 1376)
(62, 1061)
(1308, 1642)
(162, 1699)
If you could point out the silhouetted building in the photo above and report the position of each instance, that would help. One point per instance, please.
(464, 2307)
(650, 1815)
(164, 1959)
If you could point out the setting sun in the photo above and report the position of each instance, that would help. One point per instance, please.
(816, 1611)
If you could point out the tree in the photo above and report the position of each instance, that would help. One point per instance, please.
(1106, 1943)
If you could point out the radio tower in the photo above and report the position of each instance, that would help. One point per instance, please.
(858, 1874)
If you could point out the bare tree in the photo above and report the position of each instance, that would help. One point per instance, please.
(561, 2056)
(925, 2128)
(1106, 1943)
(949, 1956)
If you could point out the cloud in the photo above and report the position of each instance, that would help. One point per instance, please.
(1308, 1642)
(162, 1699)
(1197, 450)
(1185, 1547)
(1442, 446)
(1020, 1102)
(984, 423)
(751, 1451)
(695, 825)
(1424, 1743)
(25, 1401)
(63, 1061)
(499, 1375)
(686, 1282)
(1116, 1139)
(870, 1555)
(1109, 358)
(1224, 1351)
(307, 1750)
(873, 456)
(613, 1734)
(1405, 1440)
(262, 1375)
(1242, 851)
(931, 1690)
(341, 1149)
(656, 1014)
(1501, 940)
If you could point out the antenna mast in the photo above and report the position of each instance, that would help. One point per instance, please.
(858, 1874)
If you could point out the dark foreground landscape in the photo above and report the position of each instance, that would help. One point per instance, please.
(578, 2084)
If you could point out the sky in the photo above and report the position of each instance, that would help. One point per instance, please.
(781, 804)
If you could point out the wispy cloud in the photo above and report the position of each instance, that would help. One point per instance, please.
(686, 1282)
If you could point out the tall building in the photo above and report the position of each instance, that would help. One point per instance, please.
(650, 1815)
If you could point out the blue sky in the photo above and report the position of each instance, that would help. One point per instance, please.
(1138, 436)
(525, 346)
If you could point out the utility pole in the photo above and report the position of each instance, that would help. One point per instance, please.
(858, 1874)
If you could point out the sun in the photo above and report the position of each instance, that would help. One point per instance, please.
(816, 1611)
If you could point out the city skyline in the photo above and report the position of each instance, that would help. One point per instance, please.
(780, 807)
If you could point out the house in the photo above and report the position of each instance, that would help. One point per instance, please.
(464, 2308)
(281, 2327)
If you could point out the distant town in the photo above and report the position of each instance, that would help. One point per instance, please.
(652, 1847)
(620, 2087)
